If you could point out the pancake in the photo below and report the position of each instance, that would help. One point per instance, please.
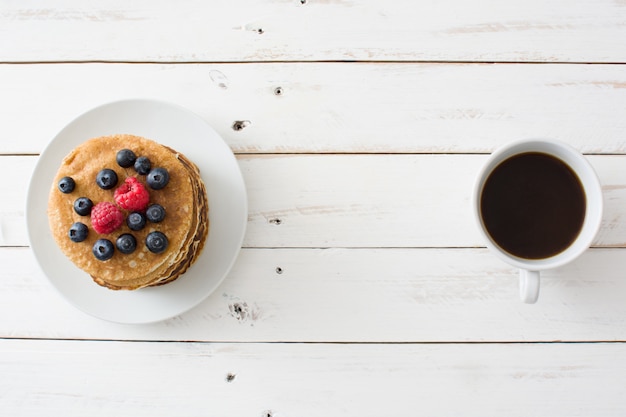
(184, 199)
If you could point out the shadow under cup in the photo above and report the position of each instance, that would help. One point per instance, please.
(539, 206)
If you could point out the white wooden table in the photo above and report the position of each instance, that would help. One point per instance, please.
(363, 287)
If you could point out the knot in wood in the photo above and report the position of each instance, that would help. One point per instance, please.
(240, 125)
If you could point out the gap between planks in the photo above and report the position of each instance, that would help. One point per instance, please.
(279, 342)
(328, 61)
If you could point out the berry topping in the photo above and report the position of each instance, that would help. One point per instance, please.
(136, 221)
(106, 217)
(103, 249)
(158, 178)
(132, 195)
(106, 179)
(156, 242)
(125, 158)
(66, 185)
(155, 213)
(78, 232)
(126, 243)
(142, 165)
(82, 206)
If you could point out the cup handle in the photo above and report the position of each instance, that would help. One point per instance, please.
(529, 285)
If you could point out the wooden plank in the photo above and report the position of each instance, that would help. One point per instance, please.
(148, 379)
(384, 201)
(351, 200)
(16, 171)
(351, 295)
(264, 30)
(327, 108)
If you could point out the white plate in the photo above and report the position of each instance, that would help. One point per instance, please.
(184, 131)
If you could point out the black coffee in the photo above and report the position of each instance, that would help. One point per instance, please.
(533, 205)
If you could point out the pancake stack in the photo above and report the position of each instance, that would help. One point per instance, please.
(183, 198)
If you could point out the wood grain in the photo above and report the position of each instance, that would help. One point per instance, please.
(160, 379)
(363, 288)
(290, 30)
(336, 107)
(351, 200)
(351, 295)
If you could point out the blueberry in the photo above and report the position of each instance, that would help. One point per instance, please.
(136, 221)
(103, 249)
(156, 242)
(106, 179)
(126, 243)
(82, 206)
(78, 232)
(158, 178)
(142, 165)
(125, 158)
(66, 185)
(155, 213)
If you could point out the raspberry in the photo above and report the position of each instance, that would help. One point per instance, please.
(106, 217)
(132, 195)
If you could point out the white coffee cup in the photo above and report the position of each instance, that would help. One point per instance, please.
(530, 268)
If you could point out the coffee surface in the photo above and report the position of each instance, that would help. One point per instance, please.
(533, 205)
